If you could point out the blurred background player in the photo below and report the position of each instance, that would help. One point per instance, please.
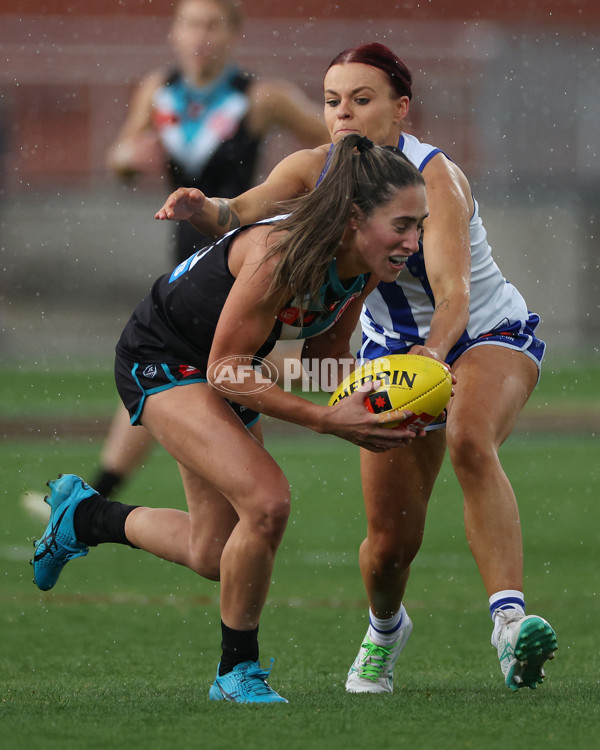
(205, 122)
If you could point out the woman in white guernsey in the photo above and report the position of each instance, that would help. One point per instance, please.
(451, 303)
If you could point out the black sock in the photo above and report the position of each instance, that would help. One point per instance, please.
(107, 483)
(238, 646)
(97, 520)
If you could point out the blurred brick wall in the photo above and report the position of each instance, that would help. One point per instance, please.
(69, 67)
(509, 89)
(506, 11)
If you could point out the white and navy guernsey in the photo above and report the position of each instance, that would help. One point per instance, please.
(176, 322)
(397, 315)
(205, 136)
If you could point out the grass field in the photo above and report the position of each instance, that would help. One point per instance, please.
(122, 652)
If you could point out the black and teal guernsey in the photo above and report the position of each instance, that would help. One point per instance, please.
(175, 324)
(205, 135)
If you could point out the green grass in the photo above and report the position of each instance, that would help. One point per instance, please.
(122, 652)
(30, 393)
(81, 393)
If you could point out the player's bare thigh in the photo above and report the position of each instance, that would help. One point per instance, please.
(493, 385)
(212, 517)
(397, 484)
(201, 431)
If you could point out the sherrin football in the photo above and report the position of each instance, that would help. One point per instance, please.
(407, 381)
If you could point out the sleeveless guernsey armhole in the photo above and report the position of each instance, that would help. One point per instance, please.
(326, 165)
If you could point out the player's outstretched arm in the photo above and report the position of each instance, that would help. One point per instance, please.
(294, 176)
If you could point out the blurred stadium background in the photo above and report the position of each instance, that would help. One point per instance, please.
(510, 89)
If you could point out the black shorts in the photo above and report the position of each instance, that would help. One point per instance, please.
(138, 380)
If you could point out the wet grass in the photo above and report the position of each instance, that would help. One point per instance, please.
(84, 393)
(122, 652)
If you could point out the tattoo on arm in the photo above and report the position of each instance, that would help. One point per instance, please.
(226, 217)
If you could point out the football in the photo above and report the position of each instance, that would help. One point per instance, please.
(407, 381)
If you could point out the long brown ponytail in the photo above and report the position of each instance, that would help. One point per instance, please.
(360, 173)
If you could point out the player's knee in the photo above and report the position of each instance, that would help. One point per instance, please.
(468, 448)
(205, 558)
(272, 520)
(211, 570)
(394, 551)
(270, 515)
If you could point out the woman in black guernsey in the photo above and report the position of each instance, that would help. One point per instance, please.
(303, 274)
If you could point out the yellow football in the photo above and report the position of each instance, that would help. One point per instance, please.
(407, 381)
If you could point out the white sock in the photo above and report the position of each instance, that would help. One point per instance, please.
(385, 632)
(502, 601)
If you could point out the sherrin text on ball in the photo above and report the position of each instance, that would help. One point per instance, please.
(413, 382)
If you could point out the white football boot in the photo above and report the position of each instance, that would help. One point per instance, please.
(373, 669)
(524, 644)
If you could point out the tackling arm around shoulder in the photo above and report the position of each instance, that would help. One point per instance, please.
(211, 216)
(294, 176)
